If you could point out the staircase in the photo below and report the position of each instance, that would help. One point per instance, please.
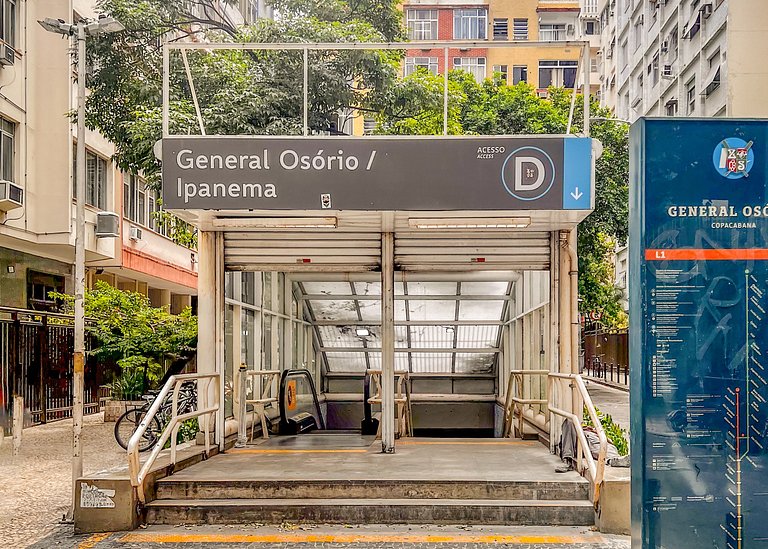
(535, 503)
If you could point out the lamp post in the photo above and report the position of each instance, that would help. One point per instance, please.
(80, 31)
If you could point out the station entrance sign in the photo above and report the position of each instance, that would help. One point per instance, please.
(699, 333)
(378, 173)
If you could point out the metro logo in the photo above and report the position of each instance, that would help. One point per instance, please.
(528, 173)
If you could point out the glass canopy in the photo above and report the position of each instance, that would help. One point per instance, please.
(440, 327)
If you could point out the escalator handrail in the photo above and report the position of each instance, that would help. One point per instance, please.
(367, 408)
(283, 381)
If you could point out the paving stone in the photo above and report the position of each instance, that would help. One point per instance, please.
(35, 487)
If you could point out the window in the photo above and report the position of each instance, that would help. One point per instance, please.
(671, 107)
(557, 73)
(8, 22)
(421, 24)
(369, 125)
(671, 44)
(638, 32)
(250, 10)
(470, 24)
(501, 70)
(623, 54)
(520, 29)
(501, 29)
(653, 70)
(591, 28)
(519, 74)
(7, 131)
(473, 65)
(412, 64)
(142, 204)
(39, 287)
(95, 179)
(552, 33)
(690, 94)
(713, 75)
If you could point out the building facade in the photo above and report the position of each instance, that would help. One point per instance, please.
(37, 223)
(683, 57)
(513, 21)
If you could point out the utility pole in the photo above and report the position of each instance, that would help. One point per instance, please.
(79, 31)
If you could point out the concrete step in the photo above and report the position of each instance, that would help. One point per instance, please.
(171, 488)
(371, 511)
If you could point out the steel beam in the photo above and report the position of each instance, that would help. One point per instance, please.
(388, 343)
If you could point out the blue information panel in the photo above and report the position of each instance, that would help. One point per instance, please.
(699, 333)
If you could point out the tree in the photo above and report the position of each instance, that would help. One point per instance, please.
(239, 92)
(494, 108)
(142, 339)
(257, 92)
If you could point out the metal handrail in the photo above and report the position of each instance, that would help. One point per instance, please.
(138, 473)
(596, 468)
(513, 401)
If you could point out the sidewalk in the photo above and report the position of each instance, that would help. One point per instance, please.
(611, 401)
(36, 486)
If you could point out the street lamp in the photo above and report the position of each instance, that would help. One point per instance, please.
(80, 30)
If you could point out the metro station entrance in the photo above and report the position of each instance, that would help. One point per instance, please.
(383, 308)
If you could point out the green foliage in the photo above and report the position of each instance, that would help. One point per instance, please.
(141, 338)
(188, 430)
(493, 108)
(613, 432)
(129, 385)
(239, 92)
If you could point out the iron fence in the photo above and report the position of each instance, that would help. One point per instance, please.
(606, 354)
(36, 350)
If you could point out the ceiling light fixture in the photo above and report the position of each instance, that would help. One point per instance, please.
(469, 223)
(362, 332)
(275, 223)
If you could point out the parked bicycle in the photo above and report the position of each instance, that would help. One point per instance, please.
(129, 422)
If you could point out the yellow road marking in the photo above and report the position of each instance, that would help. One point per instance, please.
(146, 537)
(467, 442)
(92, 540)
(287, 451)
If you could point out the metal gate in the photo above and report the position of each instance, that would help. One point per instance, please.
(36, 350)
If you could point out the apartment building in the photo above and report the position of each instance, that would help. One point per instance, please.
(683, 57)
(37, 202)
(513, 21)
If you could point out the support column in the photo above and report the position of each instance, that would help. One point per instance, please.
(388, 343)
(206, 319)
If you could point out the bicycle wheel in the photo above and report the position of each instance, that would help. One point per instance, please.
(127, 424)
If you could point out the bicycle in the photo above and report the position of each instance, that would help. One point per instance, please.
(129, 422)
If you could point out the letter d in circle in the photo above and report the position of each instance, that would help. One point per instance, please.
(529, 173)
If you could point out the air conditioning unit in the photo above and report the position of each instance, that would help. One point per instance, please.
(609, 54)
(666, 72)
(135, 233)
(107, 225)
(7, 54)
(706, 10)
(11, 196)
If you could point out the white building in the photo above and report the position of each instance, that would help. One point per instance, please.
(37, 202)
(683, 57)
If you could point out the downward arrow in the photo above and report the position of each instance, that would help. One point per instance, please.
(576, 194)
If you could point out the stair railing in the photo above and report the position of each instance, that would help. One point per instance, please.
(569, 390)
(139, 472)
(516, 402)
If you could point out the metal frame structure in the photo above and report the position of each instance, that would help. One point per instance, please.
(582, 67)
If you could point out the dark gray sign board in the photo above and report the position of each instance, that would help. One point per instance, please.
(371, 173)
